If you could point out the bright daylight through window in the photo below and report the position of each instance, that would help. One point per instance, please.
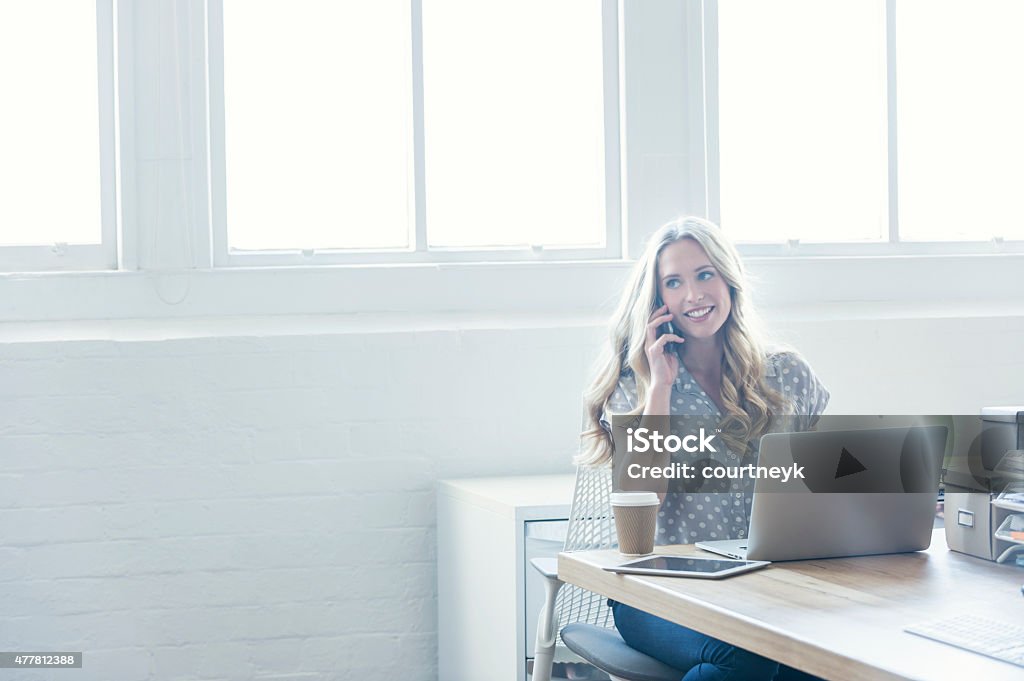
(50, 162)
(320, 151)
(514, 123)
(961, 139)
(802, 120)
(846, 121)
(318, 124)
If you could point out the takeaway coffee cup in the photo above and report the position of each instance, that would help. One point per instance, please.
(636, 518)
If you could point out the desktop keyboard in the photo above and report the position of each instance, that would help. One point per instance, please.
(1000, 640)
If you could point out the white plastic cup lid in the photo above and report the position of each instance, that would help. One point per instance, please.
(634, 499)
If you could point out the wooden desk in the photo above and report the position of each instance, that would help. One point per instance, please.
(841, 618)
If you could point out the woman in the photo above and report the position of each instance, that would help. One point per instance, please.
(709, 364)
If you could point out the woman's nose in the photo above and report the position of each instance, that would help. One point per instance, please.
(691, 293)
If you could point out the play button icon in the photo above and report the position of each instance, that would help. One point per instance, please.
(848, 465)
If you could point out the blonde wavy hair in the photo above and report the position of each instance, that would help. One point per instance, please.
(750, 403)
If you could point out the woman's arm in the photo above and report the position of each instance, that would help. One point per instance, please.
(664, 365)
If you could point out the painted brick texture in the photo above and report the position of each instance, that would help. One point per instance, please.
(263, 507)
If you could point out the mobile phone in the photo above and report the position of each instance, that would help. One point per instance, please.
(667, 327)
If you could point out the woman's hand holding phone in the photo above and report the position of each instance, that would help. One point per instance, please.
(661, 354)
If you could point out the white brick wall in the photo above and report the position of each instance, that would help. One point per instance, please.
(256, 507)
(262, 507)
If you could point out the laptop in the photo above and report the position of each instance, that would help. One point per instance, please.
(864, 492)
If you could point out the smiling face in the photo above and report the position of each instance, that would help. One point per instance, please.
(694, 290)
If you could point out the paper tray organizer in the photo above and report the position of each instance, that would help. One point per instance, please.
(1010, 533)
(1012, 529)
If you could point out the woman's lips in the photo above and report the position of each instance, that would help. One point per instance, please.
(704, 313)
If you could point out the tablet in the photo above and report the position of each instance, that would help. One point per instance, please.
(686, 566)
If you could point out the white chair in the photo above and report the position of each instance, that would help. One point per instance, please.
(580, 619)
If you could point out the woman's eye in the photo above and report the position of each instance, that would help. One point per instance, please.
(672, 283)
(704, 276)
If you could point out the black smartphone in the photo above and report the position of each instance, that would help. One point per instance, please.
(667, 327)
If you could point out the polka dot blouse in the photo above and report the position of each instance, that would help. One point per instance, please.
(700, 513)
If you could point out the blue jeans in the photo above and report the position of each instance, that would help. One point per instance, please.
(705, 658)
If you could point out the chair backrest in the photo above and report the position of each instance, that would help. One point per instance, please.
(591, 527)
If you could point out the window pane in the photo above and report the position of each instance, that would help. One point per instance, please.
(514, 122)
(960, 108)
(802, 105)
(49, 123)
(318, 123)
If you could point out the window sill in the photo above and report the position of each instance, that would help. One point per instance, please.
(498, 289)
(331, 325)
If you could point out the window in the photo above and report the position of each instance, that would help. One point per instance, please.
(868, 121)
(413, 131)
(318, 124)
(489, 131)
(961, 139)
(56, 72)
(514, 125)
(802, 120)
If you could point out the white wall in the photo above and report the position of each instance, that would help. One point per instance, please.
(257, 506)
(181, 500)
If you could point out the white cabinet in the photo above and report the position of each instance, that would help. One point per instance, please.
(488, 529)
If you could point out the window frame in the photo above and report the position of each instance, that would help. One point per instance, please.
(663, 152)
(88, 257)
(705, 33)
(418, 251)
